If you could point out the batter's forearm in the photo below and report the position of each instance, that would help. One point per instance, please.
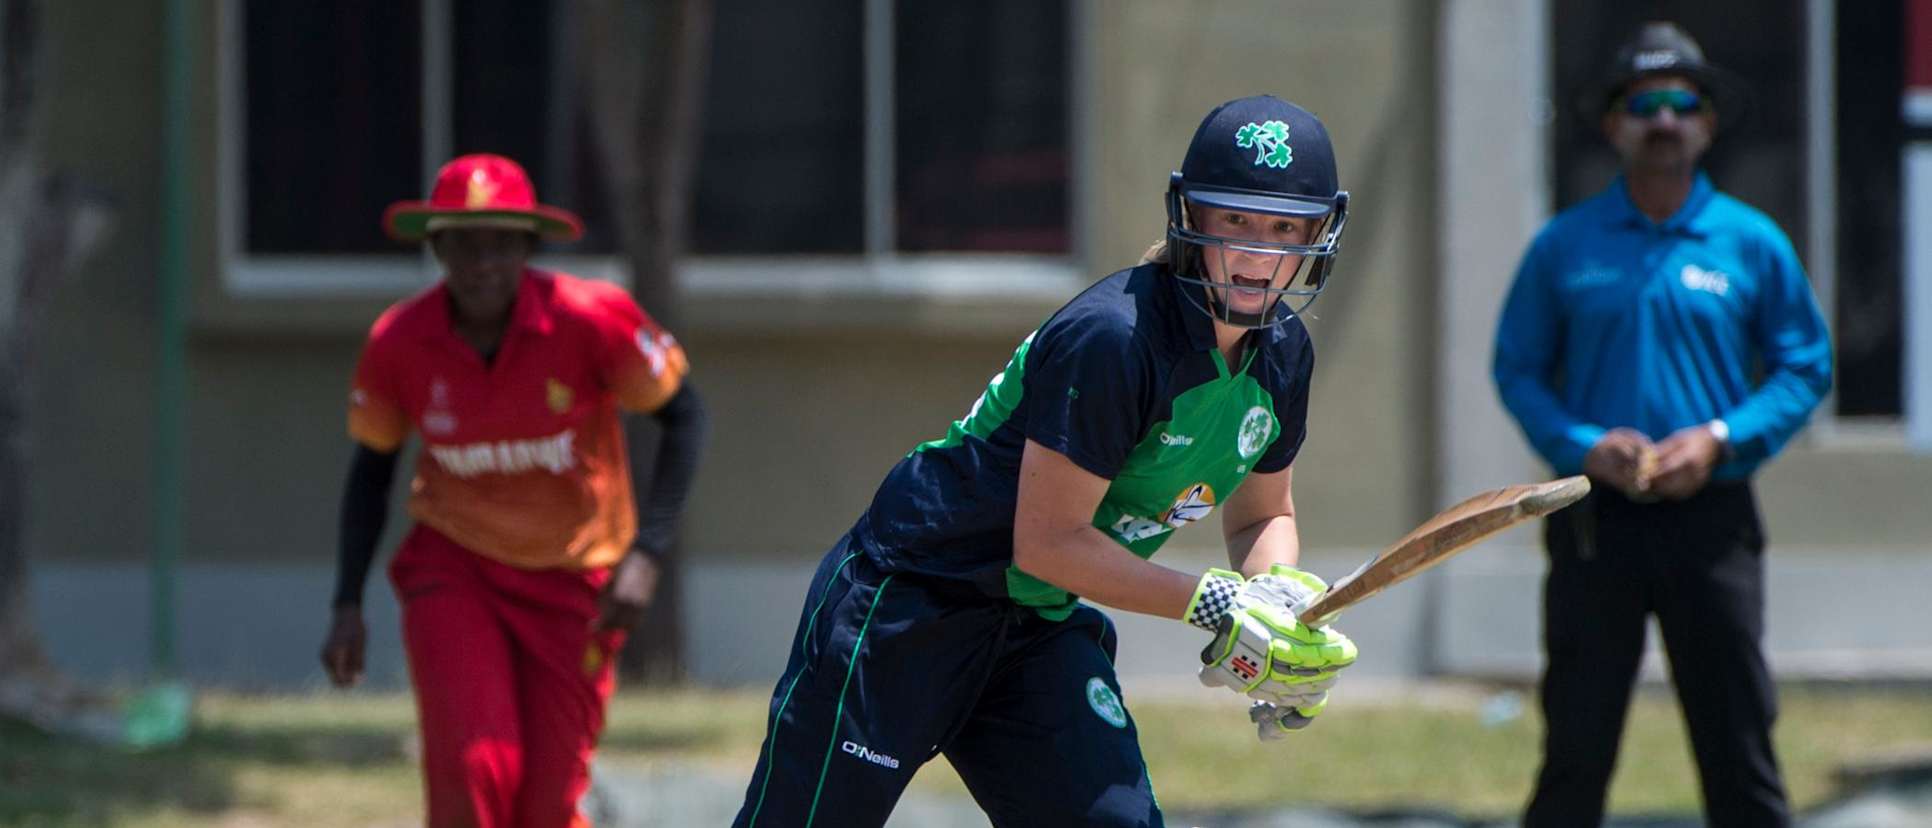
(1085, 563)
(1254, 549)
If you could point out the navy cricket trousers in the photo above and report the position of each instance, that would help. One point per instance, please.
(888, 670)
(1698, 566)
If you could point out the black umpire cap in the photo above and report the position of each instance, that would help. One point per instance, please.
(1664, 48)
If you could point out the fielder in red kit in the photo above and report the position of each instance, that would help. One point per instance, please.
(529, 557)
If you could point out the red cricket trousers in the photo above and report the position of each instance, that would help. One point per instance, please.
(510, 683)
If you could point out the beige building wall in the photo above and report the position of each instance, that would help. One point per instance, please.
(809, 420)
(91, 391)
(809, 411)
(1364, 69)
(814, 397)
(804, 425)
(265, 441)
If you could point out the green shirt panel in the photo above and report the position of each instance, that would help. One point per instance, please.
(1176, 475)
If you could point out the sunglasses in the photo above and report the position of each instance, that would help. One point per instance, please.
(1678, 101)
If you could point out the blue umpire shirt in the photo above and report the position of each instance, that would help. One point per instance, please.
(1616, 320)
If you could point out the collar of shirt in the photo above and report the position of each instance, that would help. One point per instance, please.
(1624, 212)
(531, 312)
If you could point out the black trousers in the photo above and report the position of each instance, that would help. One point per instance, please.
(1698, 565)
(890, 670)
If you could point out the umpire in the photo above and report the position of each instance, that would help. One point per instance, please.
(1661, 338)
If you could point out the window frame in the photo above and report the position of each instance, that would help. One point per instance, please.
(1911, 428)
(879, 271)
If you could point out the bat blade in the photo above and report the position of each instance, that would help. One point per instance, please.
(1450, 531)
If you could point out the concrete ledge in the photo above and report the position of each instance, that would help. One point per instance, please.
(1836, 616)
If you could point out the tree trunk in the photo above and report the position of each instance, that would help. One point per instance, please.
(47, 222)
(645, 65)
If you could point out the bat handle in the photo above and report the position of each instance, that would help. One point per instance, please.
(1307, 614)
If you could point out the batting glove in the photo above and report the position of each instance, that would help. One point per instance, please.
(1214, 598)
(1274, 722)
(1285, 586)
(1261, 650)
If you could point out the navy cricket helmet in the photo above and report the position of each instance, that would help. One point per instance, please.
(1258, 154)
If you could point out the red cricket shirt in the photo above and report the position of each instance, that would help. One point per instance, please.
(523, 459)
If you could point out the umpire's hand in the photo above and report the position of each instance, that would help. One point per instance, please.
(629, 591)
(342, 650)
(1623, 459)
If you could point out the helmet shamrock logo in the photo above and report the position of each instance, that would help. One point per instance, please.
(1269, 140)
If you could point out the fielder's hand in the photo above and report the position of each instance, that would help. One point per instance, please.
(342, 651)
(621, 605)
(1260, 650)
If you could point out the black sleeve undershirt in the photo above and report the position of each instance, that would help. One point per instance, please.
(682, 423)
(365, 508)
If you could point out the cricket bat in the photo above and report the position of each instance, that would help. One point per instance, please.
(1441, 537)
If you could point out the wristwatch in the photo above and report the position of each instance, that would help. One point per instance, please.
(1722, 432)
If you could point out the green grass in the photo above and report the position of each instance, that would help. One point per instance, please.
(1443, 756)
(346, 760)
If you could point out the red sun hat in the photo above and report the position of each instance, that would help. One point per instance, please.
(481, 190)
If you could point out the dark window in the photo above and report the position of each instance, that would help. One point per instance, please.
(501, 50)
(335, 115)
(516, 95)
(1871, 134)
(781, 158)
(333, 122)
(980, 114)
(980, 126)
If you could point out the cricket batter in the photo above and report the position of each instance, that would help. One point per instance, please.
(527, 563)
(1661, 338)
(949, 620)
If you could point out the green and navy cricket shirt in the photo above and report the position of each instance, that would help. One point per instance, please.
(1126, 381)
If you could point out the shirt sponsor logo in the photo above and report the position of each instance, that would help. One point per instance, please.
(436, 417)
(1176, 439)
(1708, 281)
(438, 422)
(552, 454)
(558, 395)
(655, 349)
(1192, 504)
(1592, 274)
(593, 659)
(1256, 428)
(868, 754)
